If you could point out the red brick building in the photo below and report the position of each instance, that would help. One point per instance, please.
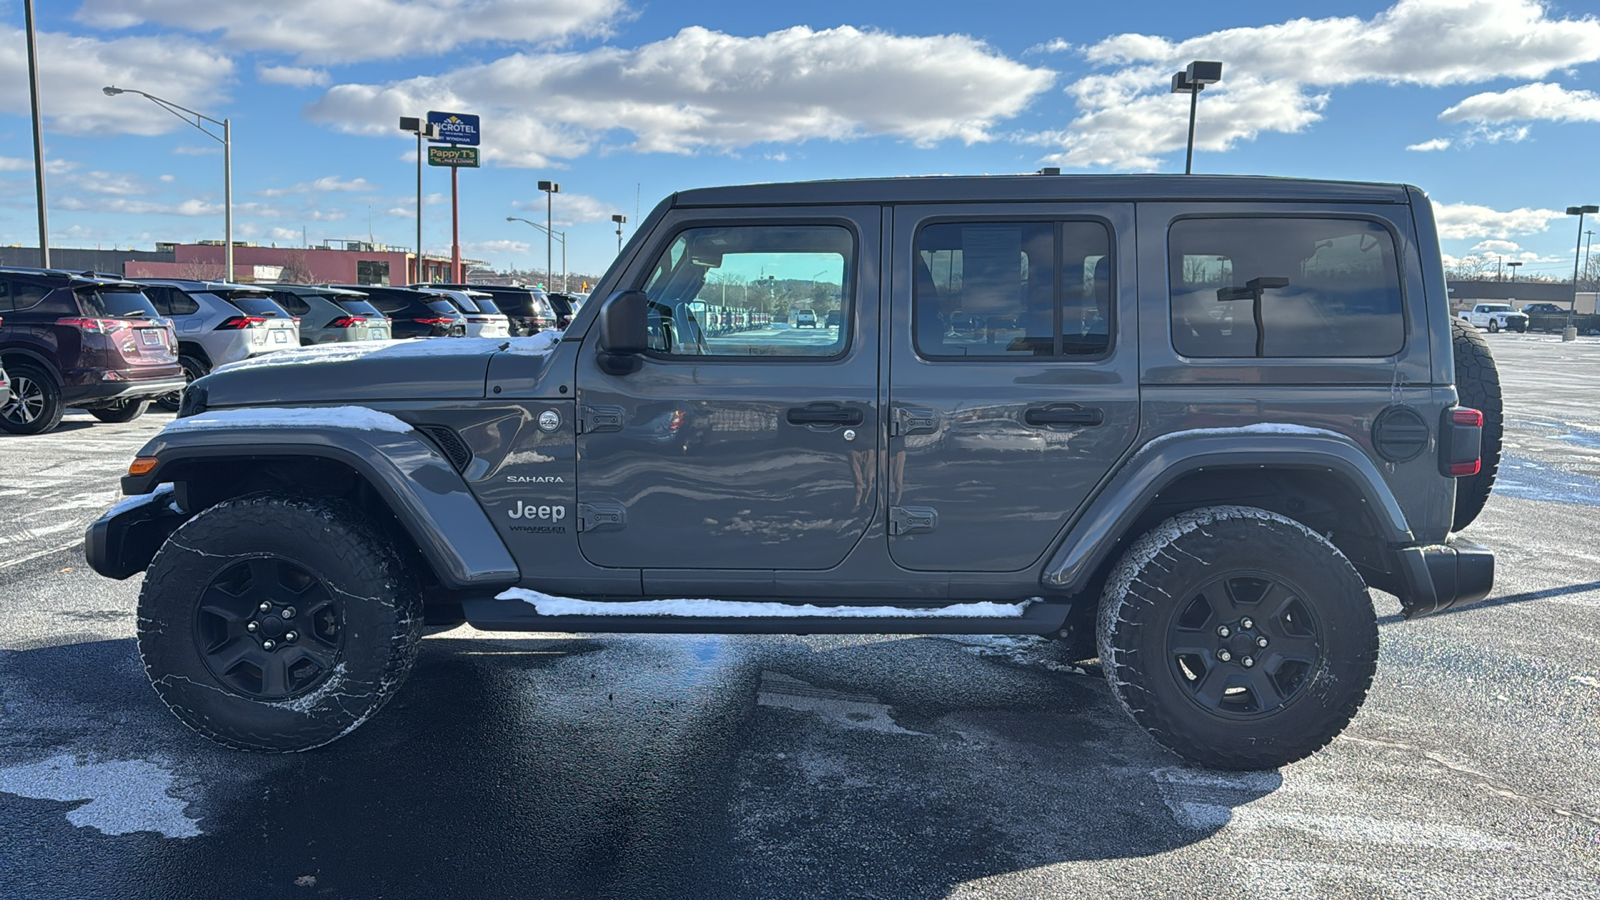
(353, 263)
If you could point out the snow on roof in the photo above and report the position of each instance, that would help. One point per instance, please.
(357, 417)
(734, 609)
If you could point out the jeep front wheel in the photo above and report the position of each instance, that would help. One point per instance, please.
(277, 623)
(1237, 637)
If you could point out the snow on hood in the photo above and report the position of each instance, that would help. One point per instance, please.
(357, 417)
(540, 344)
(734, 609)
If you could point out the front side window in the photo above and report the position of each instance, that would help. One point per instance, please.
(1012, 289)
(728, 292)
(1281, 287)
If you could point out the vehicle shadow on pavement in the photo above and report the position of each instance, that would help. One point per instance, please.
(625, 766)
(1508, 599)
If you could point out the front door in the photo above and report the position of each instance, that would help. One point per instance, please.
(1013, 380)
(744, 439)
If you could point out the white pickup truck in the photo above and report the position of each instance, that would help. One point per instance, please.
(1496, 317)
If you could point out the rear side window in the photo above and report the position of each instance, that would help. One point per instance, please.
(21, 295)
(1282, 287)
(1012, 289)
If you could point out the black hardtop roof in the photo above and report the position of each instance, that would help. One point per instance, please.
(78, 279)
(1005, 188)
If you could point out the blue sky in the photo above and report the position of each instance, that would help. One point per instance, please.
(1489, 105)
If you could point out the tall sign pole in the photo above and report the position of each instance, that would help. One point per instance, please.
(455, 225)
(460, 132)
(38, 135)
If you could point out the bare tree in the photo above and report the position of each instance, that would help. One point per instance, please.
(296, 269)
(202, 271)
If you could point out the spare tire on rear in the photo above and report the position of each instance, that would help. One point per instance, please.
(1478, 386)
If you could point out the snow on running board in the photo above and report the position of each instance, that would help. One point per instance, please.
(734, 609)
(358, 417)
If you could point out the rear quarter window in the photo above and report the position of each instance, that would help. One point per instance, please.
(1284, 287)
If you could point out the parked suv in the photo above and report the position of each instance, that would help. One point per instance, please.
(527, 310)
(85, 340)
(219, 322)
(1195, 474)
(330, 315)
(484, 319)
(414, 312)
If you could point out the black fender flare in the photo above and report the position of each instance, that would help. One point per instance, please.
(1095, 532)
(425, 493)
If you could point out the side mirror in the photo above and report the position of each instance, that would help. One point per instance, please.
(623, 332)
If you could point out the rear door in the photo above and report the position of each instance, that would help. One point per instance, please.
(753, 449)
(1013, 382)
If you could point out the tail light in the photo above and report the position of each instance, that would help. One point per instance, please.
(347, 321)
(237, 323)
(1461, 446)
(93, 326)
(435, 321)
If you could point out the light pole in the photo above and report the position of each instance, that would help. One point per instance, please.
(558, 235)
(38, 135)
(1513, 267)
(226, 140)
(1577, 251)
(422, 130)
(1499, 274)
(551, 189)
(1192, 80)
(619, 218)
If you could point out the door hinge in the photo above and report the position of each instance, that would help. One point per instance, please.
(913, 420)
(912, 519)
(601, 517)
(599, 418)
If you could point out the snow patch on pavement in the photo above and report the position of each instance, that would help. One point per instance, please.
(736, 609)
(124, 796)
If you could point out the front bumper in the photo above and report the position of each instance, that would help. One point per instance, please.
(1456, 573)
(121, 543)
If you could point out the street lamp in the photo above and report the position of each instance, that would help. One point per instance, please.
(226, 140)
(551, 189)
(619, 219)
(421, 129)
(1513, 267)
(1192, 80)
(558, 235)
(1577, 251)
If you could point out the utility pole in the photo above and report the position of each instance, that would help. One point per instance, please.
(38, 135)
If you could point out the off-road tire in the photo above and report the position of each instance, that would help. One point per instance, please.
(193, 369)
(1207, 560)
(124, 411)
(378, 619)
(1478, 386)
(35, 406)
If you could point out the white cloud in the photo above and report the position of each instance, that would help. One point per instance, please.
(495, 246)
(1054, 45)
(123, 205)
(196, 150)
(166, 178)
(567, 209)
(325, 185)
(1430, 146)
(284, 234)
(1496, 247)
(705, 90)
(292, 76)
(357, 30)
(1466, 221)
(72, 70)
(1276, 78)
(1530, 101)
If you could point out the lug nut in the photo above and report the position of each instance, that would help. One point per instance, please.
(1224, 655)
(1247, 624)
(289, 636)
(251, 627)
(1223, 631)
(288, 612)
(264, 606)
(268, 645)
(1261, 642)
(1247, 662)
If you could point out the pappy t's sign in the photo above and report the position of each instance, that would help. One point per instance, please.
(453, 128)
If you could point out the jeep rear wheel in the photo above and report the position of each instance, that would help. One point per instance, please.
(1478, 386)
(277, 623)
(1238, 638)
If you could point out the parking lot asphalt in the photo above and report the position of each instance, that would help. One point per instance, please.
(642, 766)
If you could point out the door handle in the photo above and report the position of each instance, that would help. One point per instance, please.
(824, 414)
(1056, 416)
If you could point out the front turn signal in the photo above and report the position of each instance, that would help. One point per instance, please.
(142, 465)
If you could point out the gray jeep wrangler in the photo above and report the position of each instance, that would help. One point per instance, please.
(1180, 423)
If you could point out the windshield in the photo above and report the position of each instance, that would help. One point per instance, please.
(557, 302)
(445, 307)
(461, 302)
(117, 304)
(357, 307)
(486, 305)
(1495, 307)
(258, 306)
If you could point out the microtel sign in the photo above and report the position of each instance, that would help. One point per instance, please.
(453, 128)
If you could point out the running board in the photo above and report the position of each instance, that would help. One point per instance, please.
(520, 610)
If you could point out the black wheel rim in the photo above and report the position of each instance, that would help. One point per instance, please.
(269, 629)
(1244, 644)
(27, 401)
